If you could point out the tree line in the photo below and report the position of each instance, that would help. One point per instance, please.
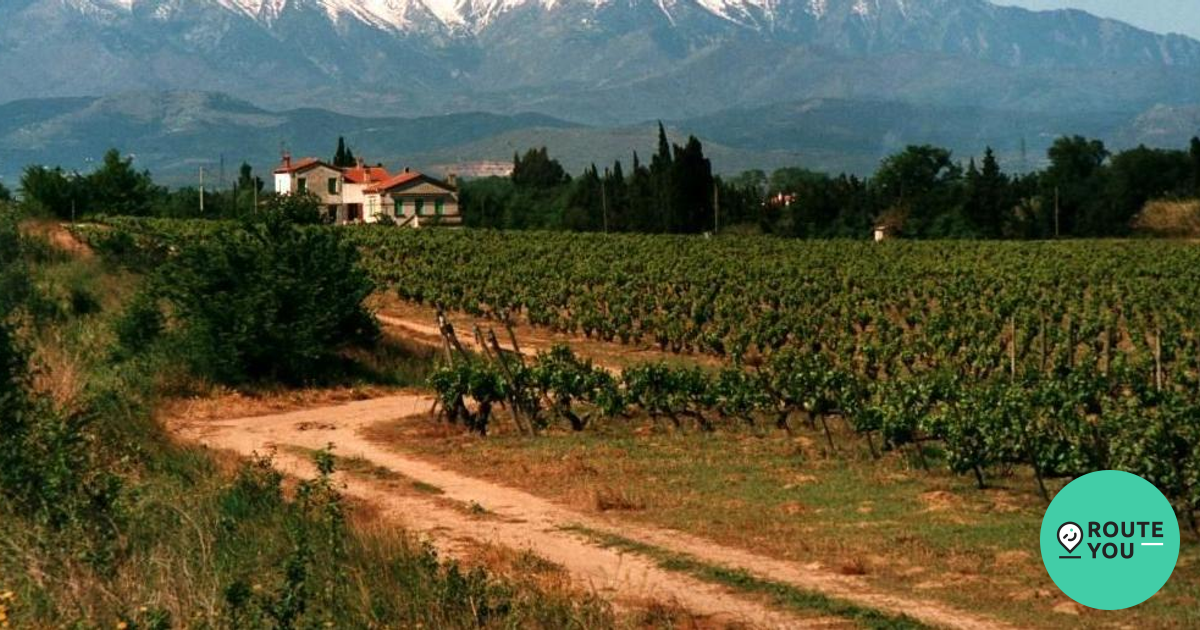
(115, 187)
(676, 192)
(921, 191)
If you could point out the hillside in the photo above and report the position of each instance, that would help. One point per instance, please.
(173, 134)
(598, 61)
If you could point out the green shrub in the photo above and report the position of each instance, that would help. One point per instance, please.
(139, 326)
(268, 301)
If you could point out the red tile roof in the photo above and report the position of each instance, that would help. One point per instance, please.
(289, 166)
(366, 174)
(392, 182)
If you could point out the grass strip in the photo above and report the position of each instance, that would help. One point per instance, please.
(780, 594)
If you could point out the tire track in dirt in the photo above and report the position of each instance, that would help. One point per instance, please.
(523, 521)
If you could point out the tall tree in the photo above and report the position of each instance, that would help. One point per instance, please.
(987, 196)
(343, 157)
(247, 181)
(662, 165)
(616, 198)
(117, 188)
(1071, 183)
(52, 190)
(1195, 153)
(537, 170)
(643, 208)
(918, 186)
(5, 194)
(692, 189)
(1135, 177)
(584, 211)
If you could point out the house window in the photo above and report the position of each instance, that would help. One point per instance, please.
(333, 185)
(420, 205)
(439, 207)
(302, 185)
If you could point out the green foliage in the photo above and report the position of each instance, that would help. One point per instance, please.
(51, 471)
(266, 300)
(294, 209)
(1141, 175)
(1194, 153)
(484, 385)
(343, 157)
(113, 188)
(537, 170)
(140, 326)
(1071, 184)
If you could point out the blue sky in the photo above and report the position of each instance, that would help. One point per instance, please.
(1166, 16)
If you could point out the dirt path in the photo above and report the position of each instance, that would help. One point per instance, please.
(518, 520)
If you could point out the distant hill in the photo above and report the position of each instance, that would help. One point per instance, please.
(173, 134)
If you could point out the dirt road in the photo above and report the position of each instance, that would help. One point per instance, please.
(521, 521)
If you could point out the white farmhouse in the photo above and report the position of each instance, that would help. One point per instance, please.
(369, 194)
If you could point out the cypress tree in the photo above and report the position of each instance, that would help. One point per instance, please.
(664, 211)
(692, 187)
(339, 158)
(1196, 166)
(986, 195)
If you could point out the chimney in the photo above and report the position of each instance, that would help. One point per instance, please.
(361, 163)
(287, 159)
(452, 179)
(407, 170)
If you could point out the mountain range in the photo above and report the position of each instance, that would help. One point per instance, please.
(833, 84)
(174, 134)
(591, 61)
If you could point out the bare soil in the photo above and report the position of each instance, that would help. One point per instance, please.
(502, 516)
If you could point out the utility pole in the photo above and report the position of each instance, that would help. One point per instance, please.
(202, 190)
(1056, 232)
(716, 208)
(604, 201)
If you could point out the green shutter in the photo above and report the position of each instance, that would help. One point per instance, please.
(439, 206)
(420, 203)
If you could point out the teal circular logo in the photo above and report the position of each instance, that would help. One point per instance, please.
(1110, 540)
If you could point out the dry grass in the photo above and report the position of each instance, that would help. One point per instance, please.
(221, 403)
(1169, 219)
(905, 530)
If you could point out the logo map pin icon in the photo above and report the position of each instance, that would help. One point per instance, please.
(1070, 536)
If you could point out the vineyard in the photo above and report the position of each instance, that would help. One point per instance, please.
(1064, 358)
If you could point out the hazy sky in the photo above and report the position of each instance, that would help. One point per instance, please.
(1167, 16)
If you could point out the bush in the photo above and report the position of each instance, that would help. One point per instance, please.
(48, 466)
(267, 301)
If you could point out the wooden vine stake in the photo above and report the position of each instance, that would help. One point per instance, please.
(1106, 344)
(1196, 346)
(1158, 372)
(1045, 347)
(446, 330)
(1070, 342)
(1012, 347)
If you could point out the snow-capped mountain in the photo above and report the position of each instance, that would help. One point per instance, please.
(591, 60)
